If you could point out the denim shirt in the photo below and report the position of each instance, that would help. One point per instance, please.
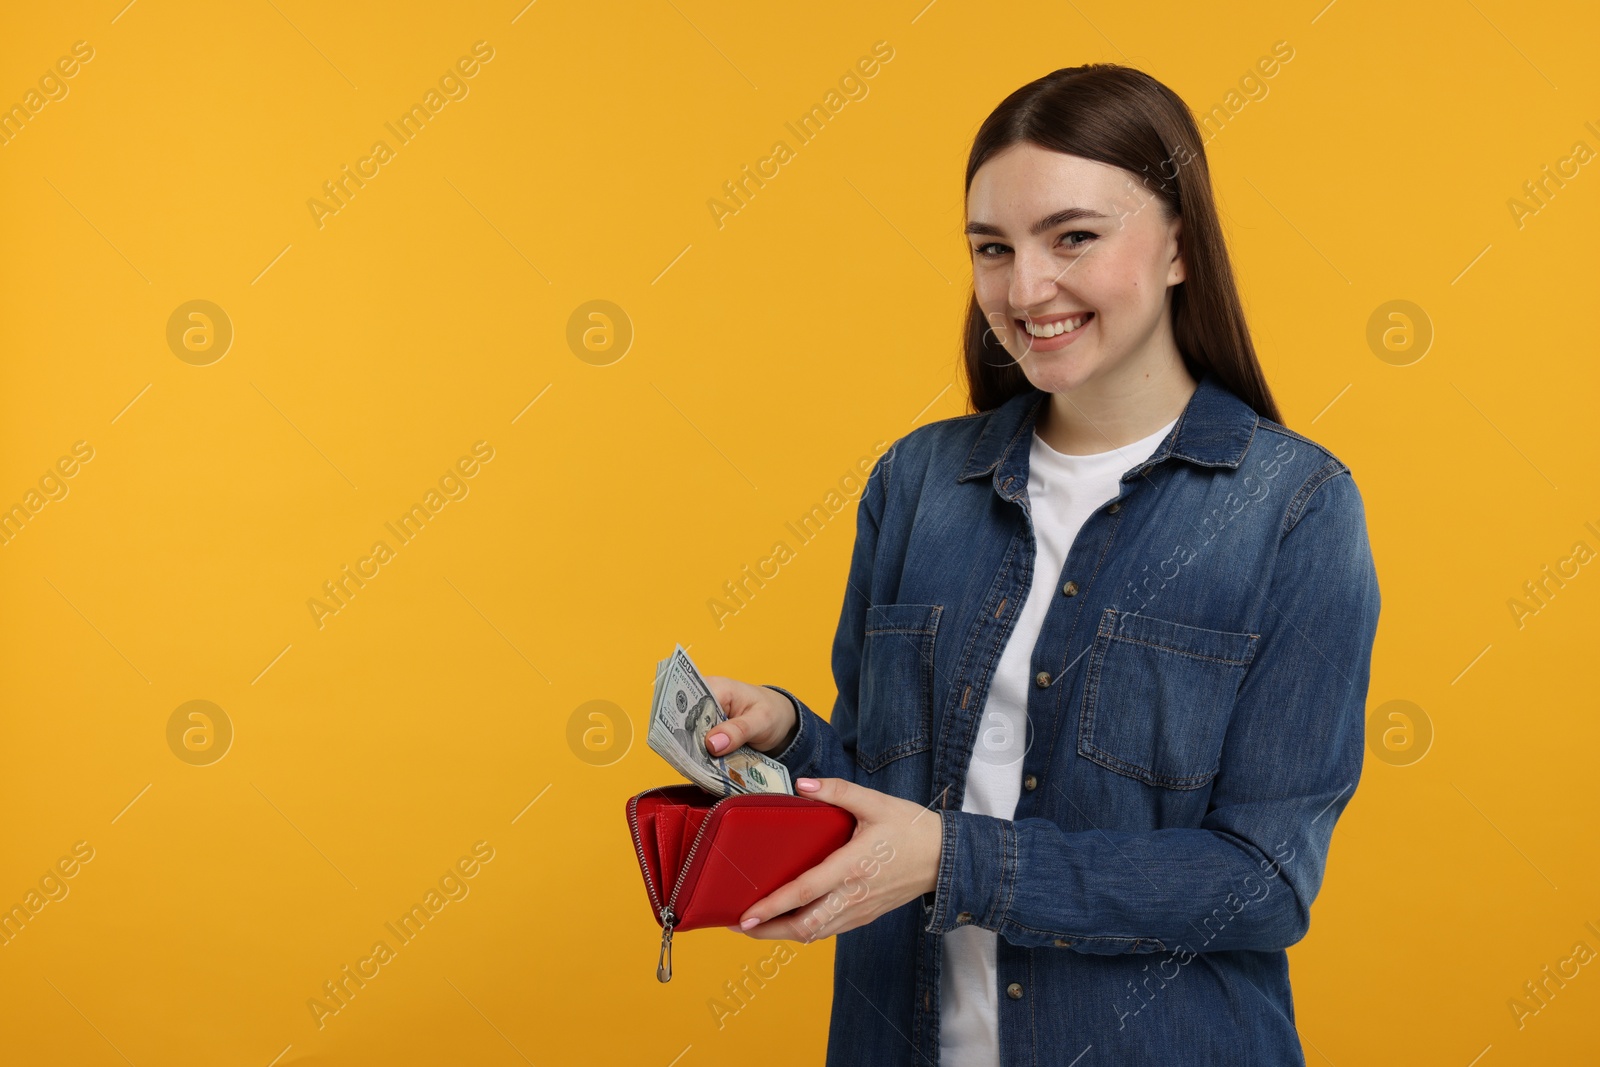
(1195, 729)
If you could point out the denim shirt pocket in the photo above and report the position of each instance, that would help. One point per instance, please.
(897, 682)
(1158, 697)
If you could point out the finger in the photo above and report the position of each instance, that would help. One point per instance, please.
(818, 882)
(726, 737)
(826, 916)
(731, 733)
(841, 792)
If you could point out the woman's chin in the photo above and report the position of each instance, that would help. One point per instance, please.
(1064, 374)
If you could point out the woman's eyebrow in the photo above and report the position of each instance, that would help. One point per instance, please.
(1071, 214)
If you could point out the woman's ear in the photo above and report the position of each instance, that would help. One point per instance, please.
(1177, 270)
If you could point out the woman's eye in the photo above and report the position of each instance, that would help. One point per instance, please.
(983, 250)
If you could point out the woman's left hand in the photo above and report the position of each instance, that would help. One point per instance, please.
(892, 858)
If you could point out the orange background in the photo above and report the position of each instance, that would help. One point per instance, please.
(745, 368)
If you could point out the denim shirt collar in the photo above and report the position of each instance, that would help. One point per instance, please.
(1214, 430)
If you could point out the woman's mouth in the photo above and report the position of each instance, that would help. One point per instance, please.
(1057, 333)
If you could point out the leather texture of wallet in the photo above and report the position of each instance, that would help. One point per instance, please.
(705, 859)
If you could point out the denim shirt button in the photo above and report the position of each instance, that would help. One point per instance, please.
(1114, 508)
(964, 917)
(1029, 782)
(1014, 991)
(1062, 942)
(1071, 589)
(1042, 679)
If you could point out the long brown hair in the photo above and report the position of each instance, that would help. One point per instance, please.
(1125, 118)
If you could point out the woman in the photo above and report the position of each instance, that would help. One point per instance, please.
(1105, 643)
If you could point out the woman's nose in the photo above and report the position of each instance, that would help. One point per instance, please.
(1034, 280)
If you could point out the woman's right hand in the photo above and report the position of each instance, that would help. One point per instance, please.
(762, 718)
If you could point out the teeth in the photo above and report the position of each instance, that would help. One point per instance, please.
(1064, 326)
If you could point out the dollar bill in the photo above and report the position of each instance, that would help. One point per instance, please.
(683, 710)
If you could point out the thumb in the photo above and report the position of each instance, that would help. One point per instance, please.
(730, 731)
(726, 736)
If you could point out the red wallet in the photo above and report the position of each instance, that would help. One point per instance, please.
(705, 859)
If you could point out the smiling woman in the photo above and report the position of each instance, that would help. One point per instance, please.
(1104, 648)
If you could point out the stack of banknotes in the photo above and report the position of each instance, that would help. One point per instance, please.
(682, 713)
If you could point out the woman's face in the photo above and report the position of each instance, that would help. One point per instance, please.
(1109, 264)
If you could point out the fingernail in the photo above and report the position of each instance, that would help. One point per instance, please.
(718, 741)
(808, 784)
(748, 923)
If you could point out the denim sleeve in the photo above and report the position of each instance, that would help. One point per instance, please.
(1246, 877)
(824, 748)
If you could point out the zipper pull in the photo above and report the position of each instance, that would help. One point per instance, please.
(664, 961)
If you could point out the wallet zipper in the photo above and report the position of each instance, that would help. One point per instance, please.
(638, 845)
(664, 960)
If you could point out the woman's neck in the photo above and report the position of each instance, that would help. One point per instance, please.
(1108, 414)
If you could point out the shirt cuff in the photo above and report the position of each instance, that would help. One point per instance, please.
(977, 872)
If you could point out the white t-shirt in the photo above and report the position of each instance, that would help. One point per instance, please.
(1063, 491)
